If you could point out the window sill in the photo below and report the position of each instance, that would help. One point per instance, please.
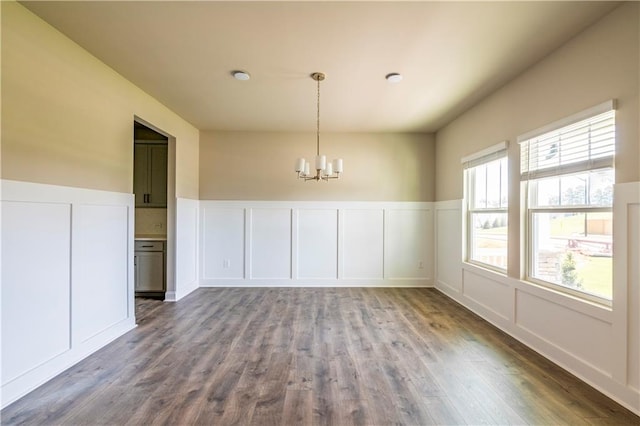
(600, 311)
(594, 309)
(574, 294)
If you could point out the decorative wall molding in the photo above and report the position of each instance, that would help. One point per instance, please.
(187, 230)
(263, 243)
(281, 243)
(599, 344)
(448, 246)
(67, 279)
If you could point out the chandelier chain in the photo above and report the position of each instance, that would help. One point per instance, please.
(318, 120)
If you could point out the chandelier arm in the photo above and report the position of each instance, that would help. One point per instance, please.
(330, 177)
(318, 177)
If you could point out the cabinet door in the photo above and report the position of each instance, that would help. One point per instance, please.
(149, 271)
(140, 173)
(157, 176)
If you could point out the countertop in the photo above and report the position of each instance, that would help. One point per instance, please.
(150, 237)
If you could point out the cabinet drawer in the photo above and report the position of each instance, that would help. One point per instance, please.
(149, 246)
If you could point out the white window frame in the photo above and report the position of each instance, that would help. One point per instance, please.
(490, 154)
(563, 170)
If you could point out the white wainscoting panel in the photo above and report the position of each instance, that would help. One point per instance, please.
(317, 247)
(36, 262)
(187, 229)
(626, 272)
(633, 357)
(586, 338)
(492, 295)
(223, 242)
(100, 266)
(408, 243)
(270, 243)
(363, 255)
(67, 279)
(597, 343)
(309, 243)
(448, 252)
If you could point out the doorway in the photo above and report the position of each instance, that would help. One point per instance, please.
(152, 186)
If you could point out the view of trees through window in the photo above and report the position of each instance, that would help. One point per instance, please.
(572, 230)
(489, 239)
(488, 188)
(574, 250)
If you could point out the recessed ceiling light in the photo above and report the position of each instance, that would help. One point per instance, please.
(394, 77)
(240, 75)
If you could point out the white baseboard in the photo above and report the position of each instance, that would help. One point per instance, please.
(596, 343)
(22, 385)
(73, 249)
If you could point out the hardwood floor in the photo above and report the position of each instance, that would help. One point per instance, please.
(314, 356)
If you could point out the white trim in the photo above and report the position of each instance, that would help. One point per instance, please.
(577, 304)
(320, 282)
(171, 262)
(186, 249)
(318, 205)
(499, 158)
(248, 226)
(532, 310)
(485, 152)
(385, 240)
(103, 332)
(36, 377)
(452, 285)
(340, 230)
(449, 205)
(579, 116)
(378, 271)
(625, 195)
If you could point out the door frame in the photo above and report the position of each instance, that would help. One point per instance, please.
(170, 247)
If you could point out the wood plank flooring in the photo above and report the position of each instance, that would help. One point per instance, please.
(288, 356)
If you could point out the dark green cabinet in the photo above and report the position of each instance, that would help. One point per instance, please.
(150, 174)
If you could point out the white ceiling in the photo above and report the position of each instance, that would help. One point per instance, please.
(451, 54)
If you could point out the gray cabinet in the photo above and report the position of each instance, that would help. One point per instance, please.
(149, 266)
(150, 174)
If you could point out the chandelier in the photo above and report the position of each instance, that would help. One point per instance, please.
(323, 170)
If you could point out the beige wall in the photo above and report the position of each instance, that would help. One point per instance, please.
(599, 64)
(0, 94)
(68, 118)
(260, 166)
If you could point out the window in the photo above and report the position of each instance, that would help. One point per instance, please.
(567, 169)
(486, 202)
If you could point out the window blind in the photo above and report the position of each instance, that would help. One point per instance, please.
(580, 146)
(486, 155)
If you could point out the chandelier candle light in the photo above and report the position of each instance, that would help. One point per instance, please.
(324, 170)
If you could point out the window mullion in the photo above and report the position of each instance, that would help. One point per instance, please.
(486, 186)
(489, 211)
